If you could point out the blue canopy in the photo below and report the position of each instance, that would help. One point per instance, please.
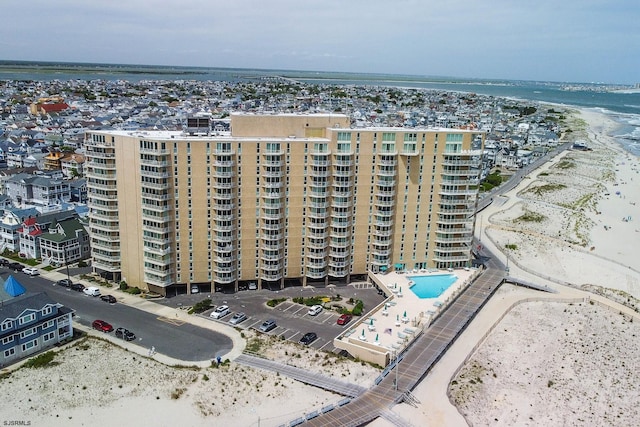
(13, 288)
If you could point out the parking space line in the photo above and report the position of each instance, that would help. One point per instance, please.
(326, 344)
(288, 306)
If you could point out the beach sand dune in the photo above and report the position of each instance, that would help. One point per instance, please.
(566, 369)
(94, 382)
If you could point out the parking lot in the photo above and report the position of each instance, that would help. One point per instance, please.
(292, 320)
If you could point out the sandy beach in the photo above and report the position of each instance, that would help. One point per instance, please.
(553, 359)
(527, 359)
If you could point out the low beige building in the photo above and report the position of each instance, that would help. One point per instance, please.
(277, 198)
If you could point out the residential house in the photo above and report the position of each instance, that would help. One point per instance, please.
(9, 224)
(72, 165)
(65, 242)
(78, 190)
(30, 322)
(37, 190)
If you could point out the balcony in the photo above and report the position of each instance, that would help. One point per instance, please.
(104, 226)
(272, 184)
(385, 193)
(161, 251)
(270, 276)
(451, 192)
(222, 174)
(271, 247)
(316, 254)
(465, 239)
(317, 234)
(316, 265)
(348, 162)
(225, 278)
(222, 184)
(154, 151)
(386, 172)
(223, 163)
(154, 162)
(223, 249)
(101, 165)
(465, 220)
(451, 258)
(338, 272)
(321, 173)
(162, 280)
(315, 273)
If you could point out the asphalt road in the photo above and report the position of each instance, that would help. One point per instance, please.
(178, 340)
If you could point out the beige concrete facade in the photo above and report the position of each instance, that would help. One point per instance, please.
(279, 197)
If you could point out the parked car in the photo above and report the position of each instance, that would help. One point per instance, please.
(308, 338)
(344, 319)
(108, 298)
(31, 271)
(253, 286)
(220, 312)
(238, 318)
(125, 334)
(4, 262)
(101, 325)
(195, 289)
(268, 325)
(314, 310)
(77, 287)
(64, 282)
(92, 291)
(15, 266)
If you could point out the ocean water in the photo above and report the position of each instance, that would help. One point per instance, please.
(622, 107)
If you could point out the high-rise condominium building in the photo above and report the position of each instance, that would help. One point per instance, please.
(279, 198)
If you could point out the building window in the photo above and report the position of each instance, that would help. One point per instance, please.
(47, 310)
(7, 324)
(28, 332)
(7, 340)
(28, 345)
(27, 318)
(49, 336)
(10, 352)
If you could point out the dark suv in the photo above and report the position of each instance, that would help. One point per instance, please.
(77, 287)
(64, 282)
(15, 266)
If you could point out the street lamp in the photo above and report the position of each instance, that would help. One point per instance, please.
(64, 253)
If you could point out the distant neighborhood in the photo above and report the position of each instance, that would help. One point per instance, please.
(43, 200)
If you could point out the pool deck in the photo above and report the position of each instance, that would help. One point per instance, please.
(389, 327)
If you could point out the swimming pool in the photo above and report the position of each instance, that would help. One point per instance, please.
(431, 286)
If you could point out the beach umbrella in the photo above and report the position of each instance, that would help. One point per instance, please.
(377, 339)
(363, 333)
(371, 321)
(397, 317)
(405, 314)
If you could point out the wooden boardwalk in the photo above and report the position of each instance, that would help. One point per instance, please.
(418, 360)
(322, 381)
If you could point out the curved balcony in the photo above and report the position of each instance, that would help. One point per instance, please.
(270, 276)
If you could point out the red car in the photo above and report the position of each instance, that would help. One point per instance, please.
(344, 319)
(101, 325)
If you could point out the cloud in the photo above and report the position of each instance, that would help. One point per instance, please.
(498, 38)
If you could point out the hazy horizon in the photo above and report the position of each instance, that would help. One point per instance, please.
(590, 41)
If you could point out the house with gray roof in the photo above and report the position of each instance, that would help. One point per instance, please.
(29, 322)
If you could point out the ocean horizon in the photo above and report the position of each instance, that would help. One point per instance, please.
(620, 102)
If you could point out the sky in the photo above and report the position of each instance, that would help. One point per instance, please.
(547, 40)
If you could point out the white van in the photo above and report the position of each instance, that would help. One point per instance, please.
(92, 291)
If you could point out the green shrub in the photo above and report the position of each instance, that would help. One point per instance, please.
(82, 264)
(201, 306)
(275, 301)
(42, 360)
(358, 308)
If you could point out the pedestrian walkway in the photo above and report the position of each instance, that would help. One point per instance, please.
(303, 375)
